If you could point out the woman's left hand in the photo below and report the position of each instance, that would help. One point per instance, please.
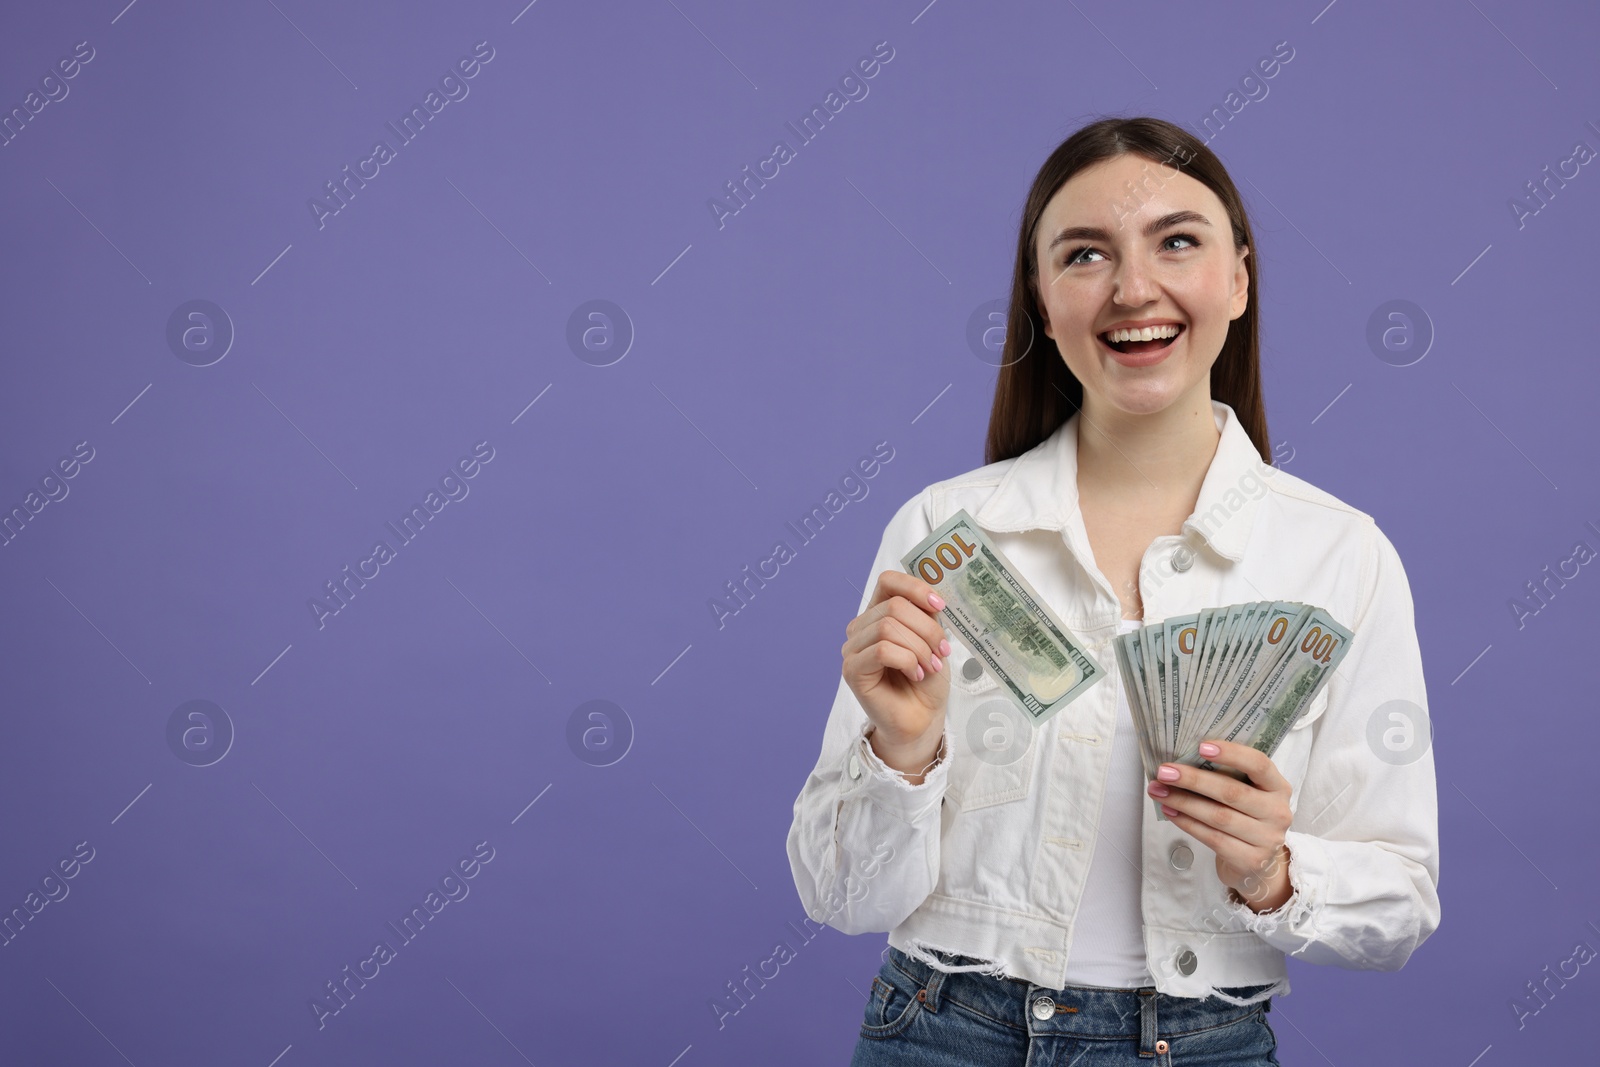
(1242, 822)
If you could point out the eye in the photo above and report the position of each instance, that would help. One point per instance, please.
(1076, 255)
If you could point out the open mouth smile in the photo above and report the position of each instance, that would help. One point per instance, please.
(1137, 348)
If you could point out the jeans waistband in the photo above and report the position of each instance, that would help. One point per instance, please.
(1082, 1011)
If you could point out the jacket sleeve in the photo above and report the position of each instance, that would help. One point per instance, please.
(1364, 843)
(864, 843)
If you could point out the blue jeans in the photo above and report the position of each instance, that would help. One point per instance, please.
(918, 1016)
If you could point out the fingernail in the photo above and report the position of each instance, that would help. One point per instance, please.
(938, 666)
(944, 647)
(920, 675)
(1169, 811)
(1168, 773)
(1159, 790)
(1208, 749)
(936, 601)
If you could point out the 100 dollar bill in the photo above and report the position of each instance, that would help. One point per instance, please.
(1002, 620)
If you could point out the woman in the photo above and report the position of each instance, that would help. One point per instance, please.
(1037, 909)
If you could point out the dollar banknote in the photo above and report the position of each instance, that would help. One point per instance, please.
(1244, 673)
(1002, 620)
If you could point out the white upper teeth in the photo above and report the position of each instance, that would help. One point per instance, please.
(1149, 333)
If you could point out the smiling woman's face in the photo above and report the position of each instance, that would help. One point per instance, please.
(1169, 261)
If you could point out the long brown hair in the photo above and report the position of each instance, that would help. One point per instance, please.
(1036, 392)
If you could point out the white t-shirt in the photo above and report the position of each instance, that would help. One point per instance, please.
(1108, 936)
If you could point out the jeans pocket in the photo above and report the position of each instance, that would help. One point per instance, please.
(890, 1009)
(1247, 1041)
(1271, 1052)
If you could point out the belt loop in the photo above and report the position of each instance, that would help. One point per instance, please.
(1147, 1023)
(929, 994)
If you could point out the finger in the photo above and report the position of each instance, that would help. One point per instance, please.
(1233, 850)
(910, 605)
(884, 656)
(1222, 818)
(893, 628)
(919, 622)
(893, 583)
(1223, 788)
(1253, 762)
(896, 624)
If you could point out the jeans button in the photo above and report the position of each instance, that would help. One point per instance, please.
(1182, 558)
(1186, 961)
(1181, 856)
(1043, 1008)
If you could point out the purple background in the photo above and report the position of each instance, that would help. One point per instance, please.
(768, 356)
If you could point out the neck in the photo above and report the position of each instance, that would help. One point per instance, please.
(1161, 454)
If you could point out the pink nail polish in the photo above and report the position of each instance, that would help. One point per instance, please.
(1208, 749)
(944, 647)
(920, 674)
(1159, 790)
(1167, 774)
(1169, 811)
(937, 601)
(937, 665)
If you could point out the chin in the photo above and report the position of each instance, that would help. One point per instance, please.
(1142, 407)
(1144, 398)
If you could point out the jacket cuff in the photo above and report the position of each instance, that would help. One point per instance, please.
(867, 775)
(1292, 927)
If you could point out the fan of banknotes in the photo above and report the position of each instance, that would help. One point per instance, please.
(1243, 673)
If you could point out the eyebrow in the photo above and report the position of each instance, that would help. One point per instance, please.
(1154, 226)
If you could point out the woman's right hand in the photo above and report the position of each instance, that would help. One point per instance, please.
(894, 662)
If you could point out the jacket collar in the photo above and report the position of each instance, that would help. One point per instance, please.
(1040, 489)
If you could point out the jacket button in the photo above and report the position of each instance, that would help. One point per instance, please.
(1043, 1008)
(1182, 558)
(855, 766)
(1181, 856)
(1186, 962)
(972, 670)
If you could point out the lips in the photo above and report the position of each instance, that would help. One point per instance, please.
(1141, 353)
(1141, 346)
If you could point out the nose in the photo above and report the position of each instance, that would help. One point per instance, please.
(1133, 285)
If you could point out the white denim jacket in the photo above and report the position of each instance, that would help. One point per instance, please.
(990, 861)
